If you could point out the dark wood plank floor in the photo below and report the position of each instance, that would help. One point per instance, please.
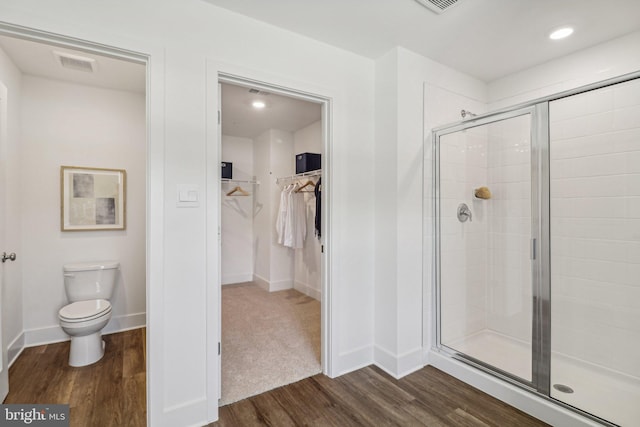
(111, 392)
(370, 397)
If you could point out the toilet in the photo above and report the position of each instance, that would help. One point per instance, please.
(89, 287)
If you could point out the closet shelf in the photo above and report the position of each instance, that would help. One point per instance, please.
(316, 172)
(240, 181)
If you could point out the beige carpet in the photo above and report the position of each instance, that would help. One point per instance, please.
(269, 339)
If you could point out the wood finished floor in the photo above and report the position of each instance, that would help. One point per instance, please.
(370, 397)
(111, 392)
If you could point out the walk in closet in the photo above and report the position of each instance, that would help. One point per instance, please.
(271, 240)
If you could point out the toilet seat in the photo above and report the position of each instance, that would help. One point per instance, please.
(83, 311)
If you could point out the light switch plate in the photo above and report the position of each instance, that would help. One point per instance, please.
(188, 196)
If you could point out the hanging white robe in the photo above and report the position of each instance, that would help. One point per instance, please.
(282, 213)
(298, 220)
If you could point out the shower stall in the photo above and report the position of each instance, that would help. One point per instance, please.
(536, 247)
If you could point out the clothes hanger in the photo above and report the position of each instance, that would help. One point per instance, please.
(238, 189)
(307, 184)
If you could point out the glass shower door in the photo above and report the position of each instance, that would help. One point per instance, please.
(595, 251)
(484, 232)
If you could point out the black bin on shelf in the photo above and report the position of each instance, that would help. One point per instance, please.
(307, 162)
(227, 170)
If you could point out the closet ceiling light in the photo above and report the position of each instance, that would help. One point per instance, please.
(258, 104)
(561, 33)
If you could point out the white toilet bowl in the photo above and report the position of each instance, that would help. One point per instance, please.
(83, 322)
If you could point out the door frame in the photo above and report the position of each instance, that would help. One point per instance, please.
(4, 352)
(214, 177)
(154, 152)
(540, 374)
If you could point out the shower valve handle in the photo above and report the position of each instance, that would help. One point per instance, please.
(464, 213)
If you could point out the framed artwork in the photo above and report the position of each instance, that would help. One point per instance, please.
(92, 199)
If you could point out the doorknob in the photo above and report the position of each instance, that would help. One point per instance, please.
(10, 257)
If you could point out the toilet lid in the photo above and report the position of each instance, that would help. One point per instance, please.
(84, 310)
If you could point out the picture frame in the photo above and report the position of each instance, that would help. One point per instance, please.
(92, 199)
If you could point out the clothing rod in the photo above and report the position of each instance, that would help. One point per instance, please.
(240, 181)
(316, 172)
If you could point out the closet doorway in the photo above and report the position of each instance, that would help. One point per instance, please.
(273, 151)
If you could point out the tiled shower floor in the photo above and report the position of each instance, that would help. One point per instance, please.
(607, 394)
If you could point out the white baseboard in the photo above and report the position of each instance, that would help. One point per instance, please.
(351, 361)
(280, 285)
(53, 334)
(398, 366)
(15, 348)
(385, 360)
(308, 290)
(231, 279)
(268, 286)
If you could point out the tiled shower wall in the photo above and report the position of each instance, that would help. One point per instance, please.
(595, 226)
(463, 167)
(509, 307)
(485, 266)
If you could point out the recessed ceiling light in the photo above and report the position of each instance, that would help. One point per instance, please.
(561, 33)
(258, 104)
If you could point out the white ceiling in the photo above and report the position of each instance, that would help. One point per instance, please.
(487, 39)
(37, 59)
(240, 118)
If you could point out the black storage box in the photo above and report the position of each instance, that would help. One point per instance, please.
(306, 162)
(227, 170)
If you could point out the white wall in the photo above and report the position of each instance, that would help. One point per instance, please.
(307, 268)
(610, 59)
(406, 110)
(274, 262)
(189, 41)
(10, 161)
(237, 212)
(75, 125)
(281, 164)
(262, 226)
(385, 183)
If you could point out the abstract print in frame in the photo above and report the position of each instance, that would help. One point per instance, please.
(92, 199)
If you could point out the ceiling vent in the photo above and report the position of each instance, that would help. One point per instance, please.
(75, 62)
(438, 6)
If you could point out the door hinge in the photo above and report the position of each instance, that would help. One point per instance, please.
(219, 348)
(218, 116)
(321, 248)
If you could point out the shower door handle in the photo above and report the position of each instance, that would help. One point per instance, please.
(532, 253)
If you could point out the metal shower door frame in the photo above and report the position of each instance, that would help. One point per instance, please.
(541, 271)
(541, 327)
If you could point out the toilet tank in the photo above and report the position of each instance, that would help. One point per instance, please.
(90, 280)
